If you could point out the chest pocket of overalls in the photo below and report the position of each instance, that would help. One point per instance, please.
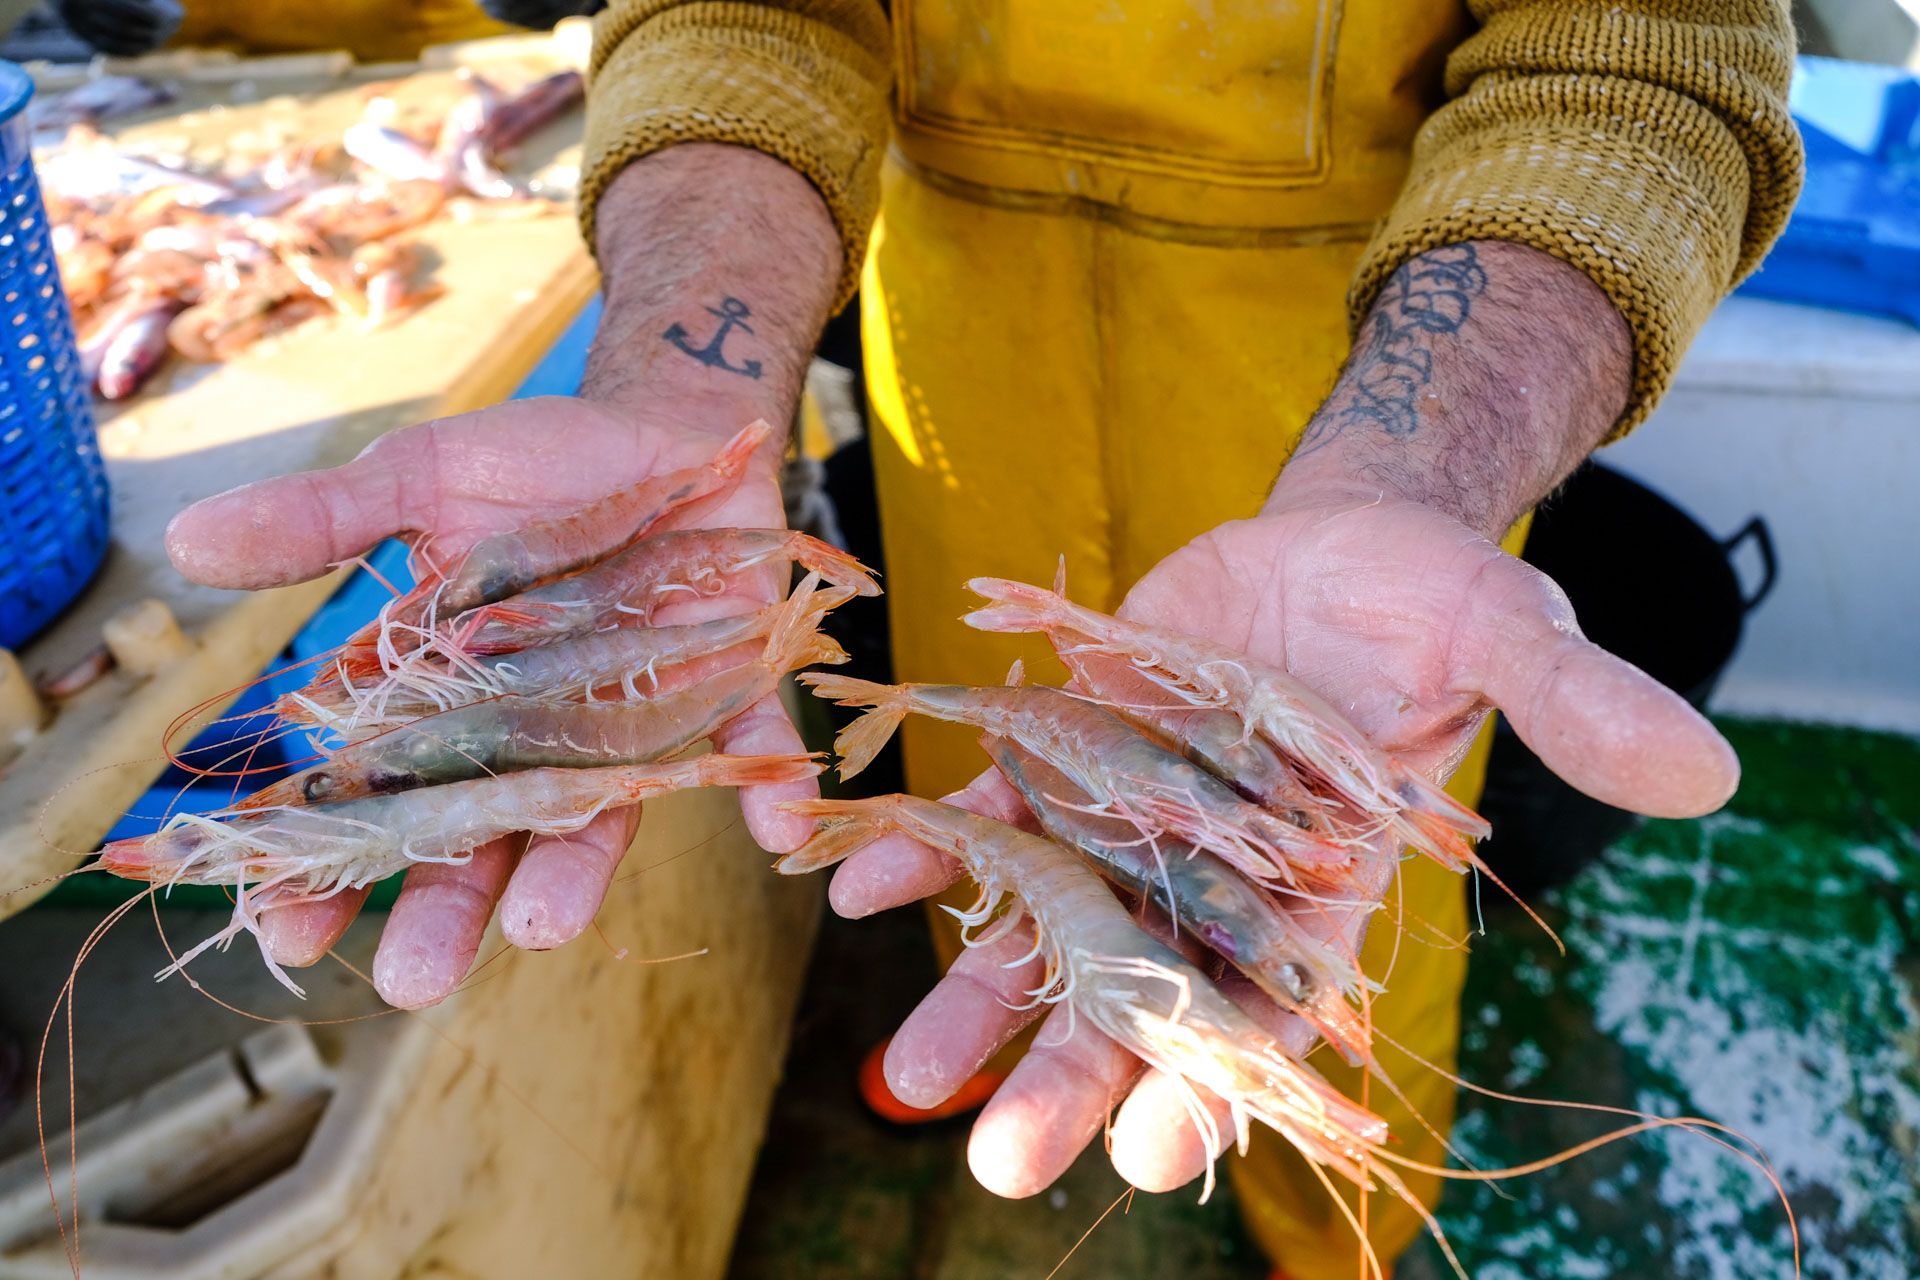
(1225, 91)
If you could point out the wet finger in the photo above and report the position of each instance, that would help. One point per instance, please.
(298, 933)
(556, 890)
(964, 1020)
(1157, 1144)
(1601, 723)
(1051, 1106)
(765, 729)
(434, 930)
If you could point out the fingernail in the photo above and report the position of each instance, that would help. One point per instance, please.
(409, 976)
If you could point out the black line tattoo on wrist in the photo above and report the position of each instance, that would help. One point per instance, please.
(1429, 297)
(732, 314)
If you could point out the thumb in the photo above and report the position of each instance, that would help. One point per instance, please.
(294, 527)
(1599, 722)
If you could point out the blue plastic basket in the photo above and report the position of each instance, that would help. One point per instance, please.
(53, 489)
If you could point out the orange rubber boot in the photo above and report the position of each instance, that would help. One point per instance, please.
(970, 1096)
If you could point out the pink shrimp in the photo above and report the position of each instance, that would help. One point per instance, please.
(634, 663)
(1204, 897)
(1128, 776)
(509, 733)
(1105, 968)
(510, 562)
(135, 351)
(633, 583)
(1266, 700)
(273, 855)
(1151, 1001)
(516, 559)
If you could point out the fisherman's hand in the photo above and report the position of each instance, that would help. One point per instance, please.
(1372, 575)
(719, 265)
(453, 482)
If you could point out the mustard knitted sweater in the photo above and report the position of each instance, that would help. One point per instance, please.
(1646, 142)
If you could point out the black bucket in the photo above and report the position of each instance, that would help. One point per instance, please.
(1649, 584)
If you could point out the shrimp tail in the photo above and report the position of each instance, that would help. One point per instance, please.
(794, 640)
(835, 565)
(861, 741)
(1014, 606)
(735, 453)
(846, 827)
(756, 771)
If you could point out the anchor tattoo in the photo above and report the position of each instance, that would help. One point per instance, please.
(732, 314)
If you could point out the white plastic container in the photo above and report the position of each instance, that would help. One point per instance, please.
(1810, 418)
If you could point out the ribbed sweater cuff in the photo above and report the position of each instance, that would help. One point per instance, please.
(751, 76)
(1639, 187)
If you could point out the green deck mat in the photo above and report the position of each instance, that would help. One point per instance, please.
(1756, 967)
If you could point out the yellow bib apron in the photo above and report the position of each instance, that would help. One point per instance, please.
(371, 30)
(1105, 293)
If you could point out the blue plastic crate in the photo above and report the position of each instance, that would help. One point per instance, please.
(53, 488)
(1854, 239)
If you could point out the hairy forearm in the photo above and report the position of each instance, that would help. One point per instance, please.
(1483, 376)
(719, 267)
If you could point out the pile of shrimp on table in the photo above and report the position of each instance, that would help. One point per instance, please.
(157, 256)
(1248, 825)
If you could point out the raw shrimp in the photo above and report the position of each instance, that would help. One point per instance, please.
(514, 560)
(1214, 739)
(1128, 775)
(392, 154)
(135, 350)
(1128, 984)
(631, 584)
(86, 267)
(348, 214)
(509, 733)
(1147, 998)
(510, 562)
(162, 269)
(327, 277)
(1204, 897)
(226, 324)
(633, 662)
(387, 274)
(276, 854)
(1267, 701)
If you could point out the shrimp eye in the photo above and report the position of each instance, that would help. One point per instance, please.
(318, 787)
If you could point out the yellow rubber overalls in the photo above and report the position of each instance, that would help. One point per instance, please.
(371, 30)
(1104, 295)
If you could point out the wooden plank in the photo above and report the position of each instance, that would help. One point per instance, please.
(311, 398)
(581, 1114)
(569, 1113)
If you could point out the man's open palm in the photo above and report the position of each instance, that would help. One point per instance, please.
(1411, 624)
(446, 484)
